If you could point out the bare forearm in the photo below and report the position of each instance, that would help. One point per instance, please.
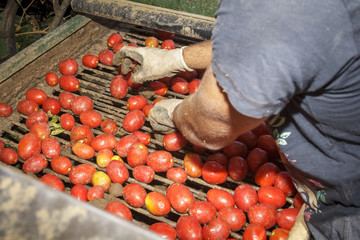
(198, 56)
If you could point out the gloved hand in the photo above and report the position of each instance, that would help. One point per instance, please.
(300, 230)
(155, 63)
(161, 116)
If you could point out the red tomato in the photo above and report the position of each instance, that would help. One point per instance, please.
(117, 172)
(69, 83)
(235, 217)
(151, 42)
(174, 141)
(123, 145)
(68, 67)
(130, 83)
(51, 79)
(114, 39)
(136, 102)
(158, 100)
(180, 85)
(177, 175)
(220, 198)
(245, 197)
(216, 229)
(2, 145)
(108, 126)
(143, 174)
(61, 165)
(163, 35)
(134, 194)
(218, 157)
(144, 138)
(235, 148)
(187, 75)
(193, 164)
(262, 214)
(164, 230)
(118, 46)
(271, 195)
(266, 173)
(157, 203)
(147, 108)
(214, 173)
(286, 218)
(106, 57)
(79, 191)
(81, 133)
(67, 121)
(133, 120)
(119, 209)
(81, 104)
(37, 95)
(29, 145)
(82, 174)
(279, 234)
(180, 197)
(284, 183)
(90, 60)
(50, 147)
(65, 99)
(132, 44)
(261, 129)
(119, 87)
(254, 231)
(160, 161)
(53, 181)
(256, 158)
(203, 211)
(166, 80)
(268, 143)
(83, 150)
(5, 110)
(137, 154)
(249, 138)
(91, 118)
(38, 116)
(298, 200)
(237, 168)
(168, 44)
(103, 141)
(52, 105)
(9, 156)
(27, 107)
(159, 88)
(194, 85)
(95, 192)
(187, 227)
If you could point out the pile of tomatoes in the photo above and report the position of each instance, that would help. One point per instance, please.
(248, 210)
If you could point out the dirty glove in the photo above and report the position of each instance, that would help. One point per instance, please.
(155, 63)
(300, 230)
(161, 116)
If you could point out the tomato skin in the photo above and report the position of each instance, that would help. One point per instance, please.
(218, 157)
(65, 99)
(123, 145)
(160, 161)
(249, 138)
(168, 44)
(101, 179)
(266, 173)
(214, 172)
(136, 102)
(109, 126)
(79, 191)
(91, 118)
(130, 83)
(81, 133)
(194, 85)
(143, 173)
(114, 39)
(50, 147)
(61, 164)
(52, 105)
(235, 217)
(103, 141)
(180, 85)
(151, 42)
(261, 129)
(144, 138)
(262, 214)
(117, 172)
(118, 87)
(118, 46)
(180, 197)
(235, 148)
(83, 150)
(90, 60)
(41, 129)
(177, 175)
(134, 194)
(284, 183)
(187, 227)
(38, 116)
(137, 154)
(187, 75)
(254, 231)
(174, 141)
(103, 157)
(35, 164)
(203, 211)
(9, 156)
(69, 83)
(106, 57)
(157, 204)
(256, 158)
(37, 95)
(216, 229)
(147, 108)
(279, 234)
(193, 164)
(95, 192)
(268, 143)
(5, 110)
(119, 209)
(29, 145)
(164, 230)
(133, 120)
(68, 67)
(286, 218)
(159, 88)
(81, 104)
(51, 79)
(67, 121)
(163, 35)
(298, 200)
(237, 168)
(220, 198)
(53, 181)
(245, 197)
(27, 107)
(82, 174)
(271, 195)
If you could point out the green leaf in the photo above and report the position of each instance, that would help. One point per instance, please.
(57, 131)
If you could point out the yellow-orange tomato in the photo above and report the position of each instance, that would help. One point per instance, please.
(151, 42)
(117, 158)
(101, 179)
(157, 203)
(103, 157)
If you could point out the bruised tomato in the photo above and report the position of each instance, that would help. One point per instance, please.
(53, 181)
(52, 105)
(103, 141)
(119, 209)
(35, 164)
(82, 174)
(90, 60)
(117, 172)
(180, 85)
(109, 126)
(262, 214)
(83, 150)
(137, 154)
(51, 79)
(245, 197)
(214, 173)
(133, 120)
(151, 42)
(50, 147)
(174, 141)
(61, 164)
(235, 217)
(164, 230)
(81, 133)
(134, 194)
(65, 99)
(106, 57)
(68, 67)
(157, 203)
(254, 231)
(220, 198)
(203, 211)
(286, 218)
(95, 192)
(38, 116)
(177, 175)
(256, 158)
(194, 85)
(69, 83)
(193, 164)
(123, 145)
(143, 173)
(237, 168)
(266, 173)
(216, 229)
(5, 110)
(136, 102)
(79, 191)
(144, 138)
(9, 156)
(168, 44)
(114, 39)
(187, 227)
(160, 161)
(27, 107)
(159, 88)
(29, 145)
(37, 95)
(81, 104)
(118, 87)
(67, 121)
(180, 197)
(91, 118)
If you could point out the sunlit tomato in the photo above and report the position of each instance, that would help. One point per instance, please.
(168, 44)
(279, 234)
(235, 148)
(50, 147)
(117, 172)
(133, 120)
(82, 104)
(134, 194)
(187, 227)
(214, 173)
(151, 42)
(266, 173)
(103, 157)
(38, 116)
(180, 197)
(65, 99)
(95, 192)
(174, 141)
(216, 229)
(143, 173)
(271, 195)
(164, 230)
(114, 39)
(67, 121)
(237, 168)
(298, 200)
(79, 191)
(82, 173)
(177, 175)
(29, 145)
(118, 46)
(41, 129)
(193, 164)
(103, 141)
(35, 164)
(159, 88)
(220, 198)
(194, 85)
(157, 203)
(90, 60)
(143, 137)
(160, 161)
(53, 181)
(101, 179)
(268, 143)
(235, 217)
(52, 105)
(118, 87)
(91, 118)
(81, 133)
(249, 138)
(261, 129)
(69, 83)
(147, 108)
(254, 231)
(137, 154)
(218, 157)
(203, 211)
(163, 35)
(83, 150)
(68, 67)
(106, 57)
(262, 214)
(37, 95)
(180, 85)
(9, 156)
(136, 102)
(27, 107)
(119, 209)
(256, 158)
(286, 218)
(5, 110)
(245, 197)
(284, 183)
(123, 145)
(61, 164)
(109, 126)
(51, 79)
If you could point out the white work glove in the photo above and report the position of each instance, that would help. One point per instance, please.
(155, 63)
(161, 116)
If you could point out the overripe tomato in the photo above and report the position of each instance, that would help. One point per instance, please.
(180, 197)
(271, 195)
(81, 104)
(50, 147)
(143, 173)
(106, 57)
(235, 148)
(237, 168)
(95, 192)
(119, 209)
(118, 87)
(133, 120)
(284, 183)
(114, 39)
(103, 141)
(136, 102)
(67, 121)
(214, 173)
(29, 145)
(117, 172)
(216, 229)
(90, 60)
(91, 118)
(203, 211)
(266, 173)
(235, 217)
(143, 137)
(103, 157)
(176, 174)
(61, 164)
(37, 95)
(168, 44)
(137, 154)
(79, 191)
(164, 230)
(68, 67)
(174, 141)
(262, 214)
(159, 88)
(157, 203)
(134, 194)
(109, 126)
(256, 158)
(35, 164)
(151, 42)
(249, 138)
(51, 79)
(123, 145)
(268, 143)
(82, 173)
(69, 83)
(27, 107)
(38, 116)
(5, 110)
(101, 179)
(194, 85)
(83, 150)
(81, 133)
(220, 198)
(193, 164)
(65, 99)
(53, 181)
(52, 105)
(180, 85)
(9, 156)
(160, 161)
(254, 231)
(245, 197)
(286, 218)
(187, 227)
